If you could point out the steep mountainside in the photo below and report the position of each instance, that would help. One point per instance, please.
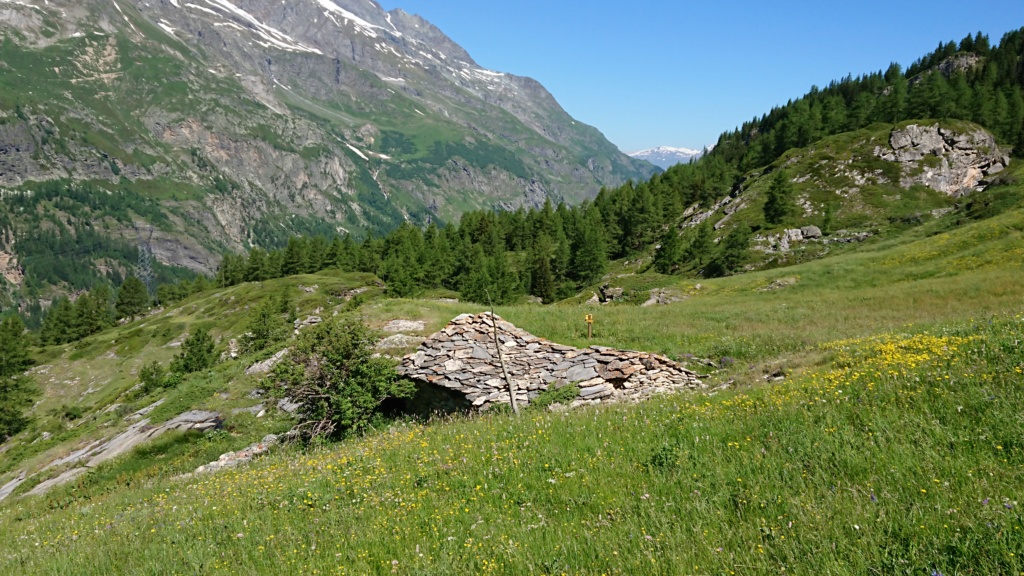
(226, 124)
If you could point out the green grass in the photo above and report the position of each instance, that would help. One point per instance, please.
(901, 455)
(893, 447)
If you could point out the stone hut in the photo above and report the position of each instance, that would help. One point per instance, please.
(463, 358)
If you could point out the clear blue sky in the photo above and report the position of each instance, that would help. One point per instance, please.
(676, 73)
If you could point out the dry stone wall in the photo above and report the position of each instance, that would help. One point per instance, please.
(463, 357)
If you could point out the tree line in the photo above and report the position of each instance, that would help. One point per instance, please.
(497, 257)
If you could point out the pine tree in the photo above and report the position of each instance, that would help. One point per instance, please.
(92, 312)
(16, 396)
(102, 306)
(16, 389)
(438, 259)
(316, 259)
(542, 281)
(256, 267)
(779, 203)
(669, 252)
(59, 324)
(398, 272)
(132, 298)
(231, 270)
(732, 253)
(589, 260)
(701, 245)
(342, 253)
(894, 106)
(296, 257)
(198, 353)
(83, 323)
(476, 283)
(265, 327)
(14, 358)
(368, 257)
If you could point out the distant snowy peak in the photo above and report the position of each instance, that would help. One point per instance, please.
(668, 156)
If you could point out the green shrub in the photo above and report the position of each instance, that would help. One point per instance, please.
(266, 327)
(555, 395)
(332, 374)
(197, 353)
(152, 376)
(71, 412)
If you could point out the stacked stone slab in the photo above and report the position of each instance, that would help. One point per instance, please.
(463, 357)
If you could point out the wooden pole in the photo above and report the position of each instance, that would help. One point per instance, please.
(501, 360)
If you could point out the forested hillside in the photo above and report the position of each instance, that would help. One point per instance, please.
(553, 252)
(184, 117)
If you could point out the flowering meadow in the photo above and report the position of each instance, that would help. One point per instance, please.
(896, 454)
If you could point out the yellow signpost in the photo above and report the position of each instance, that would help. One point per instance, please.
(590, 326)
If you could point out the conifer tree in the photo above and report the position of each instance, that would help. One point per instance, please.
(81, 326)
(701, 245)
(340, 254)
(369, 255)
(732, 253)
(132, 298)
(59, 324)
(231, 271)
(779, 203)
(437, 259)
(398, 272)
(16, 390)
(589, 259)
(102, 306)
(197, 353)
(542, 281)
(476, 283)
(265, 327)
(669, 252)
(296, 257)
(317, 249)
(256, 266)
(14, 358)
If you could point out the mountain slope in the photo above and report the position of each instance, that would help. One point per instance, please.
(238, 124)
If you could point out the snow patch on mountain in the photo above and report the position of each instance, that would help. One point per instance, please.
(361, 25)
(272, 37)
(668, 156)
(24, 4)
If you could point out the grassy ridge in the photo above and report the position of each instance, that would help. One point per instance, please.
(901, 455)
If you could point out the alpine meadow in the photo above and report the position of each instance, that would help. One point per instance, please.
(302, 288)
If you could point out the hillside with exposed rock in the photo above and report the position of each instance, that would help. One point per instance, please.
(233, 124)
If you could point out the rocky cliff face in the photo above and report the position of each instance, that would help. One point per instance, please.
(945, 160)
(248, 120)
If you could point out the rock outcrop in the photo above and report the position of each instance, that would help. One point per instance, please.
(955, 163)
(463, 358)
(100, 451)
(244, 456)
